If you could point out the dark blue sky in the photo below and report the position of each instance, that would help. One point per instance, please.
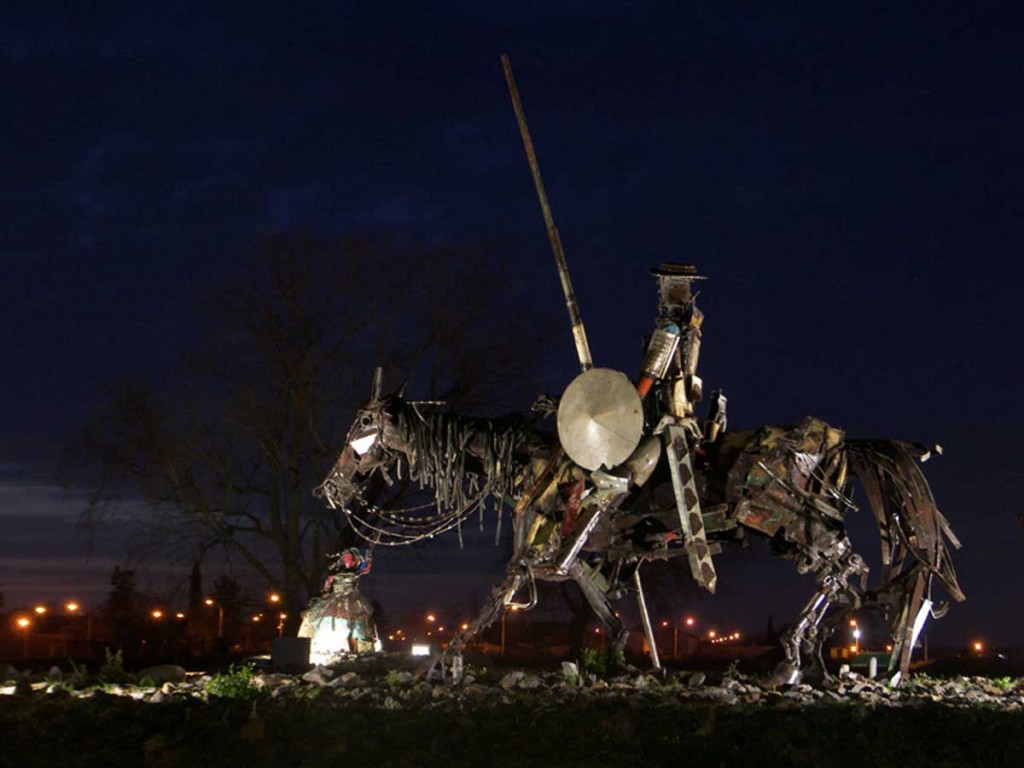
(850, 179)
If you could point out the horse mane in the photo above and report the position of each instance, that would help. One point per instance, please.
(464, 461)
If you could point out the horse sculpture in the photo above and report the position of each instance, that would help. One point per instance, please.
(635, 474)
(789, 484)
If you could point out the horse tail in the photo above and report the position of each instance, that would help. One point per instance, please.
(915, 535)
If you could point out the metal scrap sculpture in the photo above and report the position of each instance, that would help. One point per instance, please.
(339, 623)
(634, 474)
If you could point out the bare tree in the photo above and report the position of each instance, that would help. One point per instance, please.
(223, 456)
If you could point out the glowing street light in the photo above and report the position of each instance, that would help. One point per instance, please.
(712, 634)
(179, 615)
(274, 598)
(431, 618)
(40, 610)
(24, 624)
(978, 646)
(157, 614)
(72, 607)
(220, 615)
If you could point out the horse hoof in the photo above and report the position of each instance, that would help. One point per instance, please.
(785, 673)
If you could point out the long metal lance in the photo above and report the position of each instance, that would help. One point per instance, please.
(579, 335)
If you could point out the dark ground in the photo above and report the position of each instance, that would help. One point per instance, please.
(531, 731)
(379, 721)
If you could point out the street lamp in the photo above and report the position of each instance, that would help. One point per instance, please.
(40, 610)
(220, 615)
(24, 624)
(72, 607)
(157, 614)
(504, 613)
(274, 597)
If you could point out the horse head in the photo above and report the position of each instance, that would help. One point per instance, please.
(371, 445)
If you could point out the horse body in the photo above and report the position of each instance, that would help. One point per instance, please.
(790, 485)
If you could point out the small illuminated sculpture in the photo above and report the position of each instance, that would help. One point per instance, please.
(339, 623)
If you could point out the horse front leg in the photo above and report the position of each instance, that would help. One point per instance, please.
(598, 601)
(448, 664)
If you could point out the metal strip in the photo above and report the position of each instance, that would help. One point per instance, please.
(688, 504)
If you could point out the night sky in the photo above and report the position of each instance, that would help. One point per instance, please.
(851, 180)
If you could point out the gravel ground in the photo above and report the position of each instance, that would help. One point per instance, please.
(373, 715)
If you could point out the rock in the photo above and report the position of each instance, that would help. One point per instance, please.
(529, 682)
(54, 673)
(696, 679)
(158, 698)
(164, 673)
(320, 676)
(350, 680)
(511, 680)
(9, 674)
(392, 703)
(720, 695)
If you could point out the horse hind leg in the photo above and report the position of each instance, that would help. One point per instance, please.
(907, 627)
(806, 639)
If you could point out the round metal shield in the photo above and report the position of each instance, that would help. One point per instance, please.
(600, 419)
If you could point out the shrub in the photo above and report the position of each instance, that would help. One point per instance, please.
(237, 683)
(112, 670)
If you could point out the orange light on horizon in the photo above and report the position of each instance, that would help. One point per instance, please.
(431, 618)
(209, 601)
(71, 607)
(275, 598)
(712, 634)
(978, 646)
(40, 609)
(179, 615)
(664, 623)
(157, 614)
(690, 621)
(23, 623)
